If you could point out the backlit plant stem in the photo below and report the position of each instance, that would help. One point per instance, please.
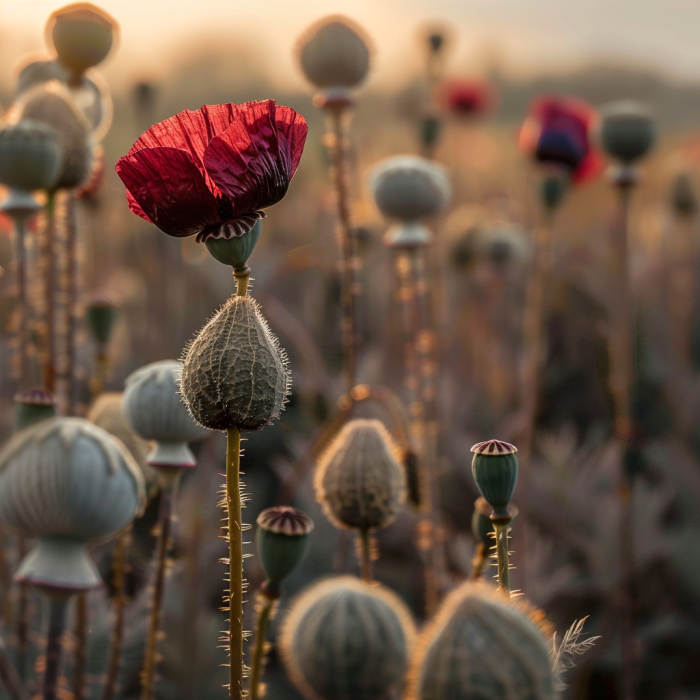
(23, 296)
(118, 565)
(80, 655)
(502, 555)
(366, 555)
(478, 562)
(265, 614)
(71, 302)
(58, 609)
(48, 255)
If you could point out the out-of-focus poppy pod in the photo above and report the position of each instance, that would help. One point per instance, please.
(558, 132)
(211, 172)
(467, 98)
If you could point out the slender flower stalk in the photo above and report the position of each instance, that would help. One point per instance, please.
(71, 304)
(58, 613)
(47, 257)
(80, 654)
(266, 607)
(10, 678)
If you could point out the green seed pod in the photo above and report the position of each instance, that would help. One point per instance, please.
(31, 155)
(684, 199)
(101, 315)
(334, 53)
(359, 480)
(409, 188)
(482, 645)
(282, 538)
(344, 639)
(153, 409)
(495, 470)
(234, 371)
(52, 104)
(66, 482)
(235, 251)
(482, 527)
(82, 36)
(627, 130)
(33, 406)
(552, 191)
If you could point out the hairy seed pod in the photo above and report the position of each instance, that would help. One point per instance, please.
(483, 645)
(153, 409)
(409, 188)
(495, 470)
(344, 639)
(234, 371)
(627, 130)
(33, 406)
(359, 480)
(334, 53)
(66, 482)
(31, 155)
(52, 104)
(82, 35)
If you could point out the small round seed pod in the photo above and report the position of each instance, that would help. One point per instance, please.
(235, 251)
(344, 639)
(495, 470)
(334, 53)
(482, 527)
(31, 155)
(282, 539)
(627, 130)
(33, 406)
(101, 314)
(153, 409)
(82, 36)
(65, 482)
(482, 645)
(684, 199)
(234, 371)
(359, 480)
(52, 105)
(409, 188)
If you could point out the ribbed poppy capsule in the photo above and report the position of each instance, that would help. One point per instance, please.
(495, 470)
(153, 409)
(282, 539)
(627, 130)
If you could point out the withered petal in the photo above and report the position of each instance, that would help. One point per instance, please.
(165, 184)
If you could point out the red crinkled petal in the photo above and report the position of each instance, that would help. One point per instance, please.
(165, 186)
(253, 161)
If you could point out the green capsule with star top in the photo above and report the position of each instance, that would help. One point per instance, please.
(495, 470)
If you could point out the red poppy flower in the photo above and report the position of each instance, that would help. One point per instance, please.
(467, 98)
(211, 172)
(557, 132)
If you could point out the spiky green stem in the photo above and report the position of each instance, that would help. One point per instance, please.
(501, 530)
(265, 613)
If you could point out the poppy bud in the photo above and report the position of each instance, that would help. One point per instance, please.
(482, 527)
(483, 645)
(359, 481)
(66, 483)
(436, 39)
(234, 251)
(409, 188)
(33, 406)
(495, 470)
(282, 539)
(82, 36)
(553, 189)
(333, 53)
(683, 197)
(344, 639)
(234, 371)
(30, 155)
(51, 104)
(152, 408)
(101, 315)
(627, 130)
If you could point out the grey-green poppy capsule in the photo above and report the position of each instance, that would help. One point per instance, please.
(31, 155)
(333, 53)
(409, 188)
(684, 198)
(235, 251)
(627, 130)
(65, 483)
(282, 539)
(482, 526)
(101, 315)
(33, 406)
(495, 470)
(153, 409)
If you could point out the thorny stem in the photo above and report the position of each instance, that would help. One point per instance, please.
(9, 677)
(265, 613)
(501, 530)
(79, 656)
(151, 656)
(118, 567)
(48, 254)
(58, 608)
(349, 290)
(366, 555)
(235, 544)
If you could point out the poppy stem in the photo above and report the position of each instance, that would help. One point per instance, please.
(23, 296)
(58, 608)
(71, 310)
(9, 677)
(235, 542)
(365, 555)
(242, 277)
(48, 253)
(265, 613)
(79, 655)
(501, 530)
(478, 562)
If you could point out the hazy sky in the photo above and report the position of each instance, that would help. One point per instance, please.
(526, 35)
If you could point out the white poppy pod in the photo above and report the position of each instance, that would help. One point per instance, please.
(153, 409)
(409, 188)
(66, 483)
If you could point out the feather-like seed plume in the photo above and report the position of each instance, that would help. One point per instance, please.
(564, 654)
(234, 372)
